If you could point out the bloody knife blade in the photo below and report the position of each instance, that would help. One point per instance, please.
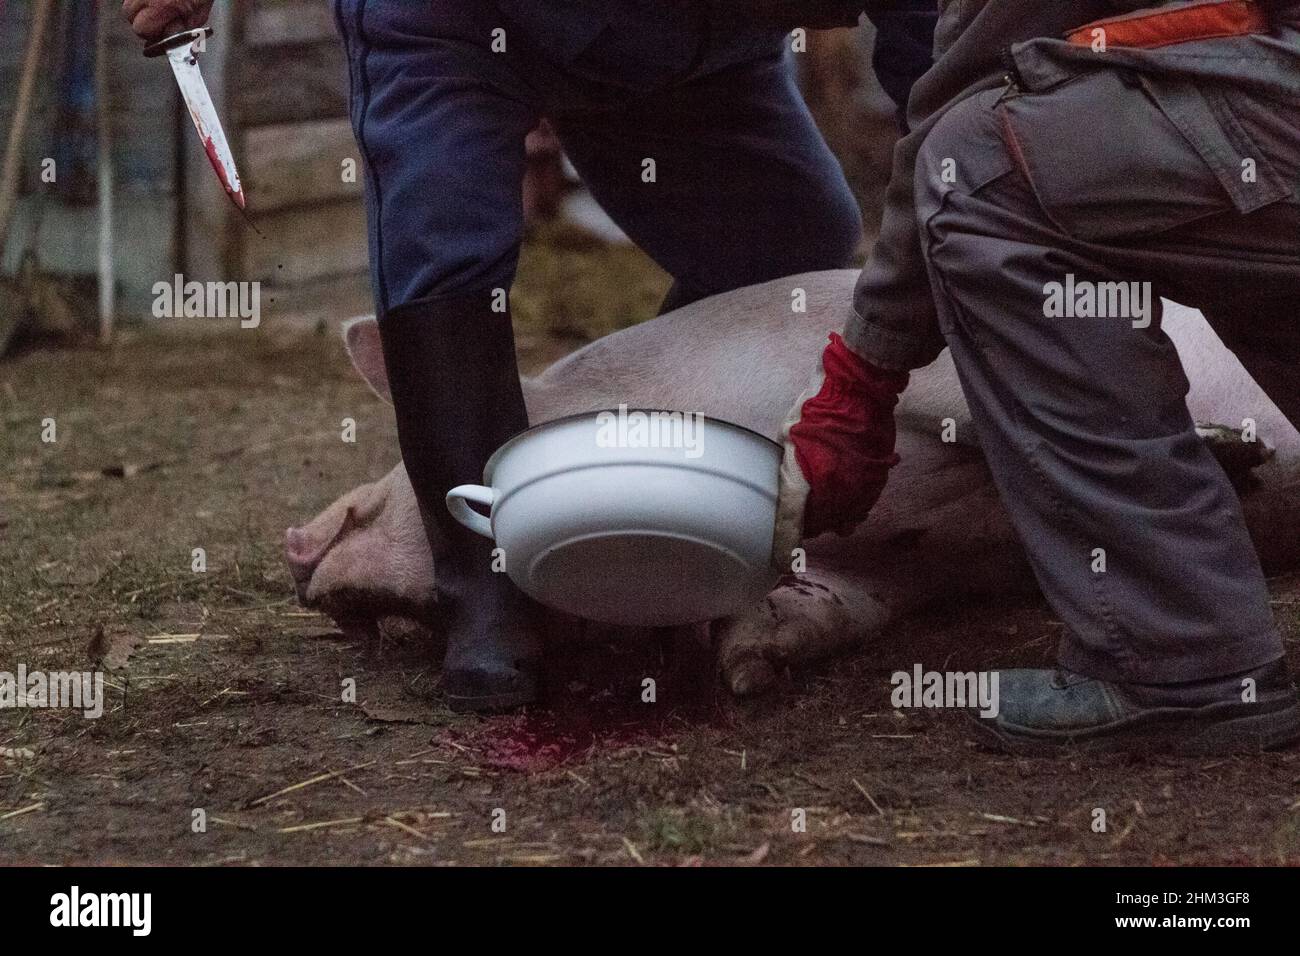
(182, 51)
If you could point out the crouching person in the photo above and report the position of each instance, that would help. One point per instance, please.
(1154, 153)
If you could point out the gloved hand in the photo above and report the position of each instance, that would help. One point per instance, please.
(839, 446)
(155, 19)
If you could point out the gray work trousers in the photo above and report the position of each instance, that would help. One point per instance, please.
(1134, 531)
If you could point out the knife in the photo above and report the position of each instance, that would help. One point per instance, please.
(182, 51)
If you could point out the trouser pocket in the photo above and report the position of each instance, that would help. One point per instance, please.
(1114, 156)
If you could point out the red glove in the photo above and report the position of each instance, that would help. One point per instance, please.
(839, 447)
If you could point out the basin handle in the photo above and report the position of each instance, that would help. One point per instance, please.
(458, 504)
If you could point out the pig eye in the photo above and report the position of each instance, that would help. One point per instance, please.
(350, 523)
(364, 510)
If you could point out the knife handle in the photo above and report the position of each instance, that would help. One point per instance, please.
(161, 47)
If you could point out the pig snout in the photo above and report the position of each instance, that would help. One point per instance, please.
(305, 548)
(366, 555)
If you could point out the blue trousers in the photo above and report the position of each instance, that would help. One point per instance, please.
(694, 139)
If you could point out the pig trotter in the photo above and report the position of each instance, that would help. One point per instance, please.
(456, 391)
(1239, 452)
(808, 618)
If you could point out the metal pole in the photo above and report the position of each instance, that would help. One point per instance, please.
(104, 124)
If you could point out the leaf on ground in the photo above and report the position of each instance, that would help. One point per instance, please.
(113, 651)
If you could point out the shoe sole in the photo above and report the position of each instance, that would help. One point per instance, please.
(525, 693)
(1208, 731)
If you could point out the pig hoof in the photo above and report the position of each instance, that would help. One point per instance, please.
(1237, 455)
(750, 677)
(808, 619)
(365, 630)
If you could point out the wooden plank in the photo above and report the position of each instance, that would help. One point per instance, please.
(303, 245)
(141, 84)
(288, 84)
(15, 21)
(295, 164)
(65, 243)
(299, 21)
(329, 300)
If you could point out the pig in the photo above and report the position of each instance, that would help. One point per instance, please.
(939, 532)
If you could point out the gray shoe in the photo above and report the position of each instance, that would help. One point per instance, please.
(1046, 712)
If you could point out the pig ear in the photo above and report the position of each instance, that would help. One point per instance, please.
(361, 338)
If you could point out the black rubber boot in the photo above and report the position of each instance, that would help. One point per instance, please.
(455, 385)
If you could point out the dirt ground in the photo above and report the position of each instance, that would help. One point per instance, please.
(226, 698)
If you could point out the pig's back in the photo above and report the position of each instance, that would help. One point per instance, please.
(743, 356)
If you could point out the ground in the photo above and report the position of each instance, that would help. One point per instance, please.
(226, 698)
